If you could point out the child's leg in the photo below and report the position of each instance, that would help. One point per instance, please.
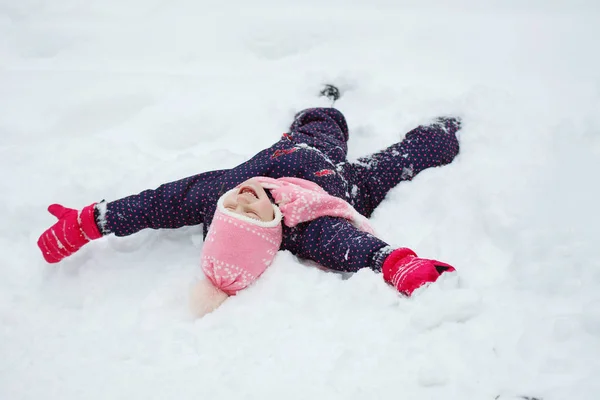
(424, 147)
(324, 129)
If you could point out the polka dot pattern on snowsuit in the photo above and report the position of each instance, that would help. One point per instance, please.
(315, 149)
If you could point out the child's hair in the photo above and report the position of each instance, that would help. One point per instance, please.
(205, 298)
(270, 196)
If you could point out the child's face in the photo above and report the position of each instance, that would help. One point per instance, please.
(250, 200)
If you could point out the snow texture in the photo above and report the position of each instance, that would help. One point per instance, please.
(99, 100)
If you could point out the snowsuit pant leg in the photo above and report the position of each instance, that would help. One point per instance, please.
(324, 129)
(426, 146)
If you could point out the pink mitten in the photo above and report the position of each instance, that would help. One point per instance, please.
(407, 272)
(73, 230)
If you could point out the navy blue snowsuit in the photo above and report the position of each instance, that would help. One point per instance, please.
(315, 149)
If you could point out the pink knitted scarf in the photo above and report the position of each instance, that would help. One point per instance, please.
(300, 201)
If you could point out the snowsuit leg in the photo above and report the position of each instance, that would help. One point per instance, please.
(426, 146)
(324, 129)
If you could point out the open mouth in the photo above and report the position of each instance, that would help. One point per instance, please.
(249, 191)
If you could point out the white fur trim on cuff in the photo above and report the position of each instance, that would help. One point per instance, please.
(101, 221)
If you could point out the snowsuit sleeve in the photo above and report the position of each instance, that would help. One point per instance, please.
(336, 244)
(171, 205)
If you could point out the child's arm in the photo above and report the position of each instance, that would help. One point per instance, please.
(336, 244)
(171, 205)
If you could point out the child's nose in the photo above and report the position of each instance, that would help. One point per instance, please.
(243, 208)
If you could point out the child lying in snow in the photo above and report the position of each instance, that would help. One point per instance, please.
(303, 180)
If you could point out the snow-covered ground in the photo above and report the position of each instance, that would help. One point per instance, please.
(99, 100)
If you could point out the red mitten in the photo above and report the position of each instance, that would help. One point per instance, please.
(73, 230)
(407, 272)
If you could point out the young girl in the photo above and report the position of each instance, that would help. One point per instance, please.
(301, 195)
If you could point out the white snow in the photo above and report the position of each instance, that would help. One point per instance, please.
(99, 100)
